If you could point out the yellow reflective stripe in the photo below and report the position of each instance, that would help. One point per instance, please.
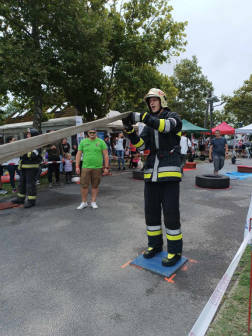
(29, 154)
(174, 237)
(32, 197)
(30, 165)
(172, 174)
(161, 125)
(154, 233)
(21, 195)
(144, 116)
(132, 131)
(179, 134)
(139, 144)
(147, 176)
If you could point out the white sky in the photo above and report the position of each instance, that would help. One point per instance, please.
(219, 33)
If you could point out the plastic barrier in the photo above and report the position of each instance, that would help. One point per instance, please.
(207, 314)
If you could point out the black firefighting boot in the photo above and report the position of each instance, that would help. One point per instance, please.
(18, 201)
(29, 205)
(151, 252)
(171, 259)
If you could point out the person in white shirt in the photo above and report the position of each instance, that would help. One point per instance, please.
(185, 143)
(120, 150)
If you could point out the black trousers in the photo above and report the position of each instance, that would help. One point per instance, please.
(69, 176)
(27, 185)
(53, 167)
(158, 196)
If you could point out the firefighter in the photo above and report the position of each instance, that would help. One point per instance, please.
(162, 174)
(28, 165)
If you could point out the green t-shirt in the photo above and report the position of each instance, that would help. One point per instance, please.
(92, 152)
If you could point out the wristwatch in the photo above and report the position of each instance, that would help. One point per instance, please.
(106, 167)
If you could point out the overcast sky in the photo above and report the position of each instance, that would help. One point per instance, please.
(219, 33)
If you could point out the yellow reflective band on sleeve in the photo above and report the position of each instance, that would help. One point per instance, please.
(154, 233)
(169, 174)
(144, 116)
(146, 176)
(139, 144)
(179, 134)
(132, 131)
(29, 154)
(32, 197)
(178, 237)
(30, 165)
(21, 195)
(161, 125)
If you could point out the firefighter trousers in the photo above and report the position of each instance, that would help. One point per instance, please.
(158, 196)
(27, 184)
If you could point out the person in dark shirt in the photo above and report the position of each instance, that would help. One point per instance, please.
(65, 146)
(218, 151)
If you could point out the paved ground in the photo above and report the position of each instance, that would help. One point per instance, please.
(61, 269)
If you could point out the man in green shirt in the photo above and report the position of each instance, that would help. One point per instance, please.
(93, 150)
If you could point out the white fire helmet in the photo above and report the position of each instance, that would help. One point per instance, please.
(156, 93)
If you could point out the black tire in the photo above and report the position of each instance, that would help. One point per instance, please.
(212, 181)
(202, 157)
(233, 160)
(138, 175)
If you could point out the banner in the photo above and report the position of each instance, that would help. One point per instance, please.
(80, 136)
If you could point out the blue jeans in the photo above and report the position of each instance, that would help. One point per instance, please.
(11, 169)
(120, 155)
(61, 165)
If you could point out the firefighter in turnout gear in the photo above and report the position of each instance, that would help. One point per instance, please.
(162, 174)
(29, 164)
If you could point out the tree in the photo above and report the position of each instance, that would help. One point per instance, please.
(239, 106)
(33, 35)
(192, 88)
(90, 51)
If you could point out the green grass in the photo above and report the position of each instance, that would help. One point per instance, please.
(6, 186)
(232, 318)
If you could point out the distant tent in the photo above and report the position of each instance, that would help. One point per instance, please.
(190, 128)
(245, 130)
(224, 129)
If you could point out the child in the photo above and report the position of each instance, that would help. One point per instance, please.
(135, 160)
(126, 153)
(68, 167)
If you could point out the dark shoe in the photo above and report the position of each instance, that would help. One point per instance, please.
(171, 260)
(151, 252)
(28, 205)
(119, 168)
(17, 201)
(124, 168)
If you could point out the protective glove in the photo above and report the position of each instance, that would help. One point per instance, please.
(127, 124)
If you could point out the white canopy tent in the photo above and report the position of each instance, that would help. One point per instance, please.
(245, 130)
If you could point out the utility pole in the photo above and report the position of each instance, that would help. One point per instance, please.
(209, 95)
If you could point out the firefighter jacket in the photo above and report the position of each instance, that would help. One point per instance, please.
(31, 159)
(162, 136)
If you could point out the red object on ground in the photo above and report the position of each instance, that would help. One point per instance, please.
(190, 165)
(244, 169)
(8, 205)
(6, 178)
(212, 188)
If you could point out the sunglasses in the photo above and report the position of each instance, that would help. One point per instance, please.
(91, 132)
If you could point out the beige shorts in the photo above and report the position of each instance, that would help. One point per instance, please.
(89, 175)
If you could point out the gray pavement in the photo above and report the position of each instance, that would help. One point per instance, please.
(61, 268)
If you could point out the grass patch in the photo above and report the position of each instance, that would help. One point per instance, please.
(232, 319)
(6, 186)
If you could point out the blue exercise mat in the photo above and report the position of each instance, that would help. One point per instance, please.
(155, 264)
(238, 176)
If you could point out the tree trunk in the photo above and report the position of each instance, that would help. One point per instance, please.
(37, 113)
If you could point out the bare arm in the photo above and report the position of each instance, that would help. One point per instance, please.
(106, 160)
(210, 152)
(226, 149)
(77, 162)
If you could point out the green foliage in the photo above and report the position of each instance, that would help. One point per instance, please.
(193, 87)
(89, 52)
(239, 106)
